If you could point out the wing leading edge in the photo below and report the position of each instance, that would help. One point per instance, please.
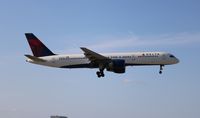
(95, 57)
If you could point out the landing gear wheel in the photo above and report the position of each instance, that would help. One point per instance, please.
(100, 74)
(160, 72)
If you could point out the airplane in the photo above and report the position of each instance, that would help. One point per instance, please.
(113, 62)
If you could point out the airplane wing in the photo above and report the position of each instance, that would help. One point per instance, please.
(95, 57)
(35, 58)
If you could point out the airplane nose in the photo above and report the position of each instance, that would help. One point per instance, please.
(177, 60)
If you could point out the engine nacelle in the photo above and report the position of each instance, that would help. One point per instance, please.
(117, 66)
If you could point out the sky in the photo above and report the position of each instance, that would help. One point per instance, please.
(33, 91)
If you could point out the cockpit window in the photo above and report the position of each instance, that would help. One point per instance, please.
(172, 56)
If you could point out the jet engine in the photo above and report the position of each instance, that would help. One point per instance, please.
(116, 66)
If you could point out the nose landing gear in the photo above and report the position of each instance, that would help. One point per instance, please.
(161, 68)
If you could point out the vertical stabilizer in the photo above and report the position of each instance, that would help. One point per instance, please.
(37, 47)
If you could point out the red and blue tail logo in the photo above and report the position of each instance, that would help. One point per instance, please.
(37, 47)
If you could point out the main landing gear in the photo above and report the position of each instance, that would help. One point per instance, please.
(100, 73)
(161, 68)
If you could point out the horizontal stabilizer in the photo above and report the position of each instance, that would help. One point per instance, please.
(35, 58)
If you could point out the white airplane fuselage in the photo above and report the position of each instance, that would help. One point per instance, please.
(131, 59)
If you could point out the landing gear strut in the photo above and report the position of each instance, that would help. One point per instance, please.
(161, 68)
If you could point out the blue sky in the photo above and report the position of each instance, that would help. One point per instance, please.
(32, 91)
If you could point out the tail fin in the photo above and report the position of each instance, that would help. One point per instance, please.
(37, 47)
